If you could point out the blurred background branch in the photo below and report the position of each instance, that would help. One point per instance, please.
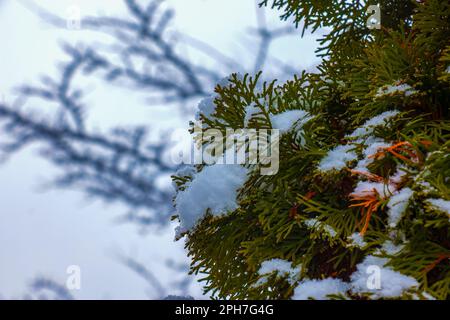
(122, 164)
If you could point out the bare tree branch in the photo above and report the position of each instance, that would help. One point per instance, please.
(266, 37)
(143, 37)
(146, 275)
(47, 289)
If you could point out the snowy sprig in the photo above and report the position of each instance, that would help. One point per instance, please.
(404, 88)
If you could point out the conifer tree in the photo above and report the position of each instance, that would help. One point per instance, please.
(360, 205)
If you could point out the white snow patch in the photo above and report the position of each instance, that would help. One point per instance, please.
(310, 223)
(186, 171)
(392, 283)
(406, 89)
(372, 147)
(397, 205)
(398, 175)
(428, 296)
(318, 225)
(337, 158)
(356, 240)
(250, 111)
(281, 267)
(319, 289)
(328, 229)
(440, 204)
(390, 248)
(426, 187)
(364, 188)
(368, 127)
(214, 188)
(284, 121)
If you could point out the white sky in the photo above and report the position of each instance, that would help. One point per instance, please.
(41, 233)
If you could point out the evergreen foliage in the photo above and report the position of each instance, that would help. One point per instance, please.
(380, 99)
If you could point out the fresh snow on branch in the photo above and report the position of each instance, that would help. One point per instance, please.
(250, 111)
(356, 240)
(406, 89)
(337, 158)
(440, 204)
(320, 226)
(369, 126)
(214, 188)
(281, 267)
(207, 106)
(372, 147)
(389, 248)
(397, 205)
(364, 188)
(391, 283)
(284, 121)
(319, 289)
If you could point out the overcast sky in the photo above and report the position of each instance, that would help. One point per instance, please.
(42, 232)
